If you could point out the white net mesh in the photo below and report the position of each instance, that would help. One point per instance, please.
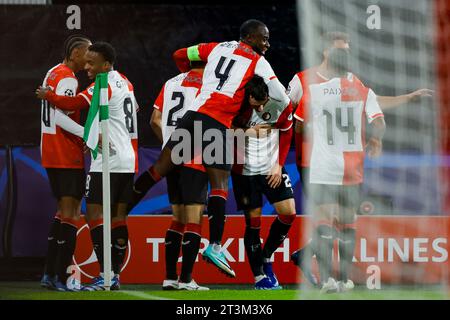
(400, 228)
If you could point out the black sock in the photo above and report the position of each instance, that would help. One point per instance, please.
(346, 250)
(172, 244)
(119, 240)
(323, 239)
(191, 245)
(97, 243)
(216, 214)
(278, 232)
(50, 262)
(142, 184)
(252, 243)
(66, 248)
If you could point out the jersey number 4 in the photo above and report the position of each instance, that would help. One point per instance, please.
(223, 77)
(349, 128)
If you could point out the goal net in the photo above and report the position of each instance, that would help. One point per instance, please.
(402, 226)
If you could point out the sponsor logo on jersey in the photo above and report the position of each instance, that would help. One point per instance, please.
(266, 116)
(91, 90)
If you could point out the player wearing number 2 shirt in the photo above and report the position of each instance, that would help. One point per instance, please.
(100, 58)
(337, 111)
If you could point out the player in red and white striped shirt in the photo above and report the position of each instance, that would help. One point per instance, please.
(62, 157)
(300, 84)
(336, 111)
(262, 173)
(187, 185)
(229, 66)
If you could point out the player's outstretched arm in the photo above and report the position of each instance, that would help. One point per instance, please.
(62, 102)
(390, 102)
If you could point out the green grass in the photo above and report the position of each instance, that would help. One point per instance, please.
(32, 291)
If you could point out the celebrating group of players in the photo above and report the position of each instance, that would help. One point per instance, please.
(223, 86)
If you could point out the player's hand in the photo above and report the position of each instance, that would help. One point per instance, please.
(416, 95)
(275, 176)
(41, 92)
(374, 147)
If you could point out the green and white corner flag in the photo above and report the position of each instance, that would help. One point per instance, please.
(97, 112)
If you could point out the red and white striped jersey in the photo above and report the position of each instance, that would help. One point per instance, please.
(263, 152)
(59, 148)
(337, 111)
(230, 65)
(299, 84)
(175, 98)
(122, 125)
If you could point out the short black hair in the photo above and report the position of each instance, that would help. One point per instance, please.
(329, 38)
(249, 27)
(338, 61)
(105, 49)
(257, 88)
(72, 42)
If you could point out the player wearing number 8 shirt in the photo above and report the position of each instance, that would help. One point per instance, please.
(100, 57)
(337, 111)
(262, 173)
(229, 66)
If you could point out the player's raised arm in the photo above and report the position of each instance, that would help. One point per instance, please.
(184, 56)
(155, 121)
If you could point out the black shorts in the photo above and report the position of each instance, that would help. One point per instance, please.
(220, 160)
(67, 182)
(187, 186)
(248, 190)
(121, 188)
(345, 196)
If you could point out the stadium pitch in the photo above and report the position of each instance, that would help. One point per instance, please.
(32, 291)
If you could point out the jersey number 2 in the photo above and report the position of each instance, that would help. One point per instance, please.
(170, 117)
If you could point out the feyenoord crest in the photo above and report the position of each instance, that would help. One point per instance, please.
(266, 116)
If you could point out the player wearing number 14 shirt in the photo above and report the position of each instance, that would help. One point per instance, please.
(100, 58)
(337, 111)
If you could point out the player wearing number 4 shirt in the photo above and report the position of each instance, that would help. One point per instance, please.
(62, 157)
(229, 66)
(187, 185)
(263, 174)
(100, 58)
(337, 111)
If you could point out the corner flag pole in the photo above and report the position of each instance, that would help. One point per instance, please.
(104, 120)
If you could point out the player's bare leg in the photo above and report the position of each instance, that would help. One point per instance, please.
(172, 243)
(218, 195)
(323, 237)
(151, 176)
(346, 237)
(191, 246)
